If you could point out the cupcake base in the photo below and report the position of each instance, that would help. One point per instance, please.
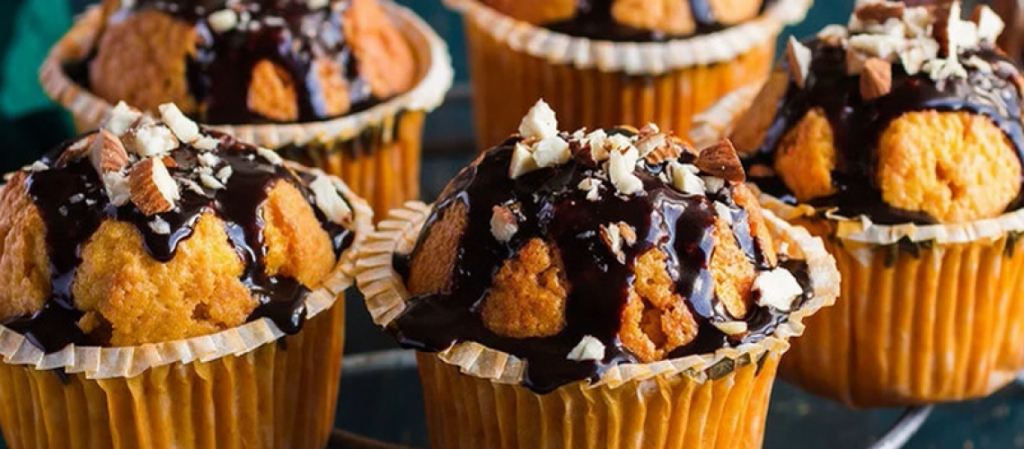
(674, 411)
(915, 326)
(281, 395)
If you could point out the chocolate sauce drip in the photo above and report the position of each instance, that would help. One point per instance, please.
(594, 20)
(551, 207)
(285, 32)
(857, 125)
(73, 203)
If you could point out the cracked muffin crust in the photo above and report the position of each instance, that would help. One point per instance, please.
(251, 61)
(149, 231)
(579, 251)
(908, 114)
(629, 20)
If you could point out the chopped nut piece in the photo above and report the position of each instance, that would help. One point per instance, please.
(713, 184)
(799, 58)
(222, 21)
(627, 233)
(589, 348)
(620, 171)
(650, 143)
(854, 62)
(38, 166)
(917, 53)
(270, 156)
(834, 35)
(612, 237)
(121, 118)
(153, 190)
(539, 122)
(206, 143)
(597, 142)
(876, 80)
(879, 11)
(777, 288)
(522, 161)
(208, 159)
(503, 223)
(874, 45)
(77, 150)
(184, 128)
(685, 179)
(620, 142)
(330, 201)
(990, 25)
(592, 186)
(551, 152)
(731, 328)
(147, 139)
(160, 226)
(193, 186)
(117, 187)
(224, 174)
(107, 153)
(721, 160)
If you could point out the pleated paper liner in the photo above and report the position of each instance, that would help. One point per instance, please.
(927, 313)
(603, 84)
(250, 386)
(376, 151)
(473, 397)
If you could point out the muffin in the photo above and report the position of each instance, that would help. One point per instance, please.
(604, 63)
(165, 285)
(613, 288)
(339, 84)
(898, 139)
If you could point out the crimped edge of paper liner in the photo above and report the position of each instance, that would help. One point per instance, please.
(718, 121)
(385, 295)
(634, 58)
(128, 361)
(430, 51)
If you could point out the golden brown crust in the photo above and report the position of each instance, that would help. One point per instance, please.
(732, 272)
(527, 298)
(272, 92)
(731, 12)
(24, 262)
(955, 166)
(753, 125)
(146, 301)
(383, 55)
(287, 216)
(656, 320)
(537, 12)
(141, 60)
(666, 16)
(430, 270)
(806, 157)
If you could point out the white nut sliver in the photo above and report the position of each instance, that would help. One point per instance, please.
(206, 143)
(522, 161)
(551, 152)
(210, 182)
(539, 122)
(208, 159)
(183, 127)
(732, 327)
(589, 348)
(650, 143)
(330, 201)
(685, 180)
(224, 174)
(270, 155)
(597, 141)
(990, 25)
(620, 171)
(38, 166)
(116, 185)
(777, 288)
(222, 21)
(151, 139)
(160, 226)
(121, 118)
(503, 224)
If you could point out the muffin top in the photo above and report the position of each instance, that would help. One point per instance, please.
(631, 20)
(577, 252)
(906, 115)
(250, 61)
(149, 231)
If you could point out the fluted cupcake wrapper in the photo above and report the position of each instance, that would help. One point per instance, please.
(928, 313)
(604, 84)
(377, 151)
(722, 395)
(249, 386)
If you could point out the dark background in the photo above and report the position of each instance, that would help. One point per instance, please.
(30, 123)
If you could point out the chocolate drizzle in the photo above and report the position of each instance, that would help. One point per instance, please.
(857, 125)
(594, 20)
(73, 203)
(285, 32)
(551, 207)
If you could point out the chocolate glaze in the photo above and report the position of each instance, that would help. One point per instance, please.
(552, 208)
(594, 20)
(73, 203)
(288, 34)
(857, 125)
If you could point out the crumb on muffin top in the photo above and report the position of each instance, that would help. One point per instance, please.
(630, 20)
(907, 114)
(250, 61)
(579, 251)
(150, 230)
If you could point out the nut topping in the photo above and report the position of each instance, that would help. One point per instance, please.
(503, 223)
(799, 58)
(721, 160)
(152, 188)
(876, 80)
(879, 11)
(107, 153)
